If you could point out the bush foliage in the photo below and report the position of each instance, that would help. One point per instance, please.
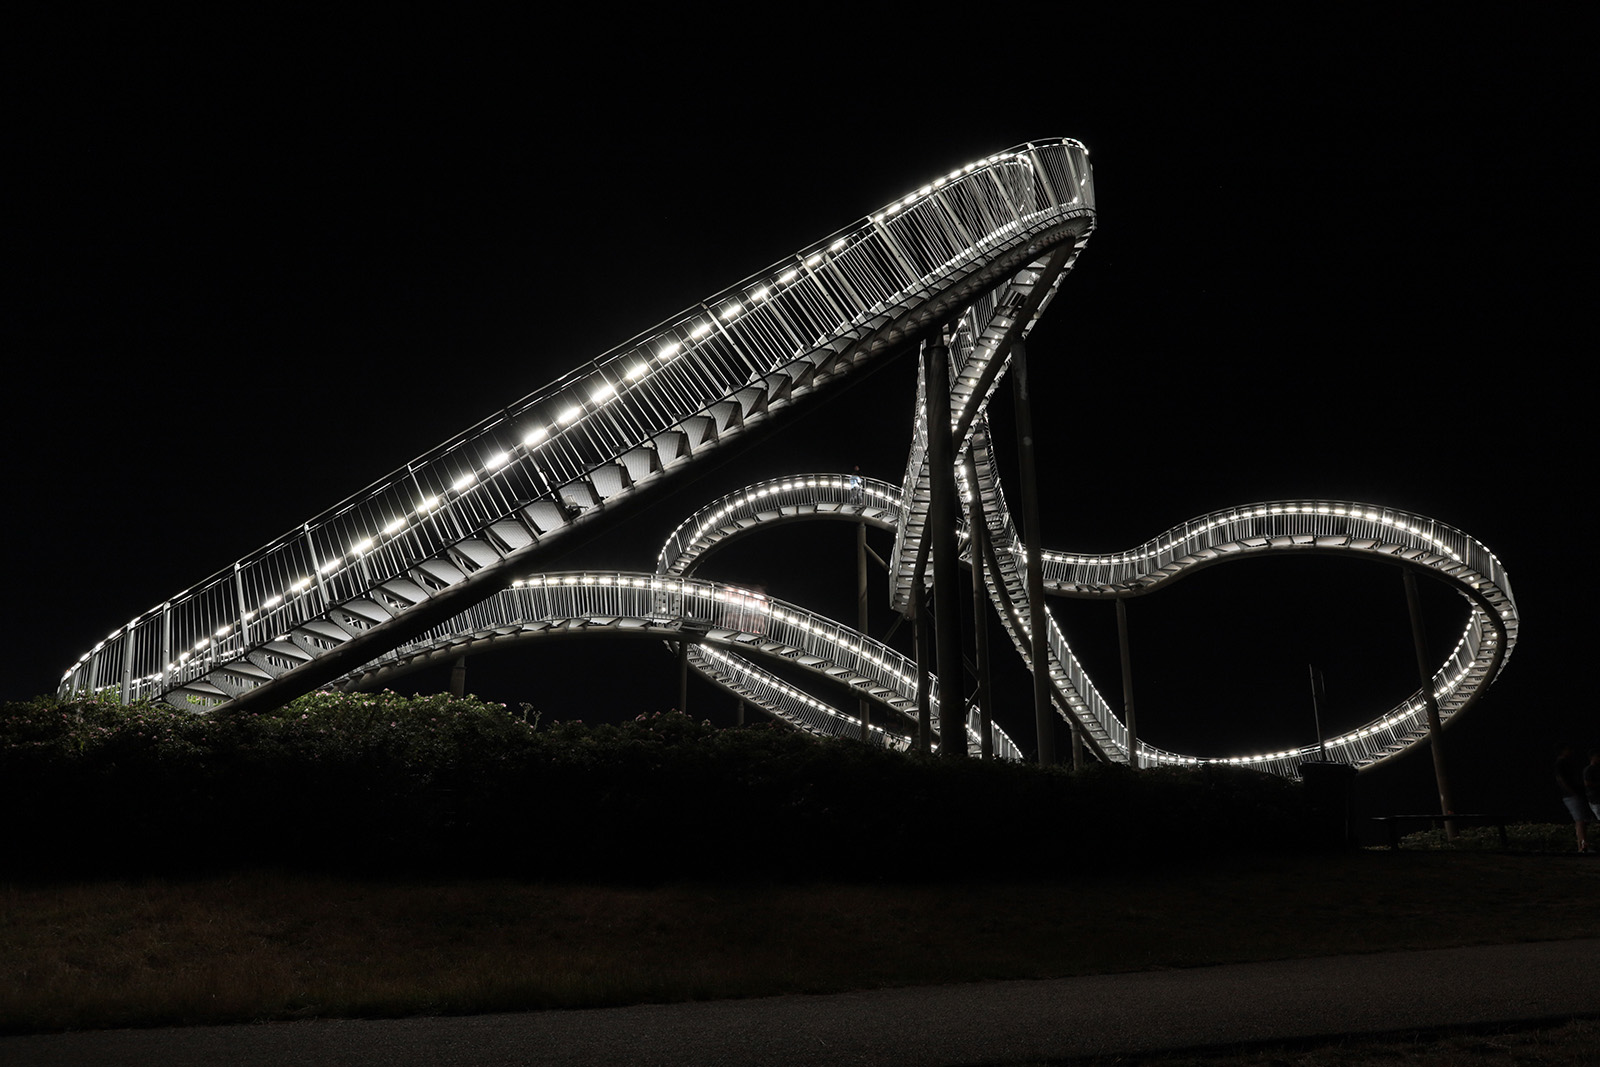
(375, 783)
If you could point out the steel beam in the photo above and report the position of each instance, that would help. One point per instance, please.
(941, 533)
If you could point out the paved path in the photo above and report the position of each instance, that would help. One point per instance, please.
(991, 1022)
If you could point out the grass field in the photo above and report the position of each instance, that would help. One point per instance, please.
(272, 945)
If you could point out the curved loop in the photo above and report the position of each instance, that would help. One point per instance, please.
(1325, 527)
(727, 617)
(799, 496)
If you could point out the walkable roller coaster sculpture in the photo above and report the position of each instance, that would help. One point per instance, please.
(442, 556)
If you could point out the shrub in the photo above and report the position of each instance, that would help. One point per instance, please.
(379, 782)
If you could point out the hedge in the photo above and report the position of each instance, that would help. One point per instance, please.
(380, 783)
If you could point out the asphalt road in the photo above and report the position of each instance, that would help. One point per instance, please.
(988, 1023)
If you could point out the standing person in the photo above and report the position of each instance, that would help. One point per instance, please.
(855, 485)
(1591, 782)
(1570, 779)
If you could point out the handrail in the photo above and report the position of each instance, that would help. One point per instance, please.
(636, 411)
(1322, 527)
(729, 617)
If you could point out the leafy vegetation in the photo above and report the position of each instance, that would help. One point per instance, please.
(385, 783)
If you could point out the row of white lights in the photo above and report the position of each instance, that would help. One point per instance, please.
(938, 183)
(568, 415)
(1406, 716)
(571, 413)
(744, 598)
(730, 663)
(606, 392)
(1444, 690)
(711, 521)
(1239, 516)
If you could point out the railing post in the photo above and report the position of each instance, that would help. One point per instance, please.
(166, 646)
(244, 622)
(126, 689)
(316, 571)
(941, 532)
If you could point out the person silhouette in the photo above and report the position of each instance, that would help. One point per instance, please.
(1569, 776)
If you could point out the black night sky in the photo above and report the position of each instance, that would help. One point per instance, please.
(259, 266)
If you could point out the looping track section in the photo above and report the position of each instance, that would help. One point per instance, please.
(443, 555)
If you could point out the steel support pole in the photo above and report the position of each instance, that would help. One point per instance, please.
(1127, 684)
(919, 634)
(125, 690)
(980, 619)
(458, 677)
(683, 677)
(941, 532)
(1419, 640)
(1039, 653)
(166, 646)
(244, 612)
(1316, 711)
(863, 706)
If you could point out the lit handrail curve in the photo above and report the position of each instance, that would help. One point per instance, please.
(811, 496)
(783, 701)
(1326, 527)
(455, 523)
(623, 603)
(1227, 534)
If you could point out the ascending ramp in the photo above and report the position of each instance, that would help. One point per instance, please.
(456, 525)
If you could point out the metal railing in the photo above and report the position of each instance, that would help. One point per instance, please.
(730, 618)
(1345, 528)
(810, 495)
(1342, 527)
(520, 475)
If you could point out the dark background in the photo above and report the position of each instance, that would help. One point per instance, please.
(258, 265)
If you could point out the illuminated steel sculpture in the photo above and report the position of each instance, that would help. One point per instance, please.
(442, 556)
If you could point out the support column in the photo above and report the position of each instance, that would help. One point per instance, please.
(1029, 488)
(1419, 640)
(979, 534)
(458, 677)
(863, 706)
(166, 646)
(919, 634)
(1318, 691)
(683, 677)
(1127, 684)
(125, 690)
(941, 532)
